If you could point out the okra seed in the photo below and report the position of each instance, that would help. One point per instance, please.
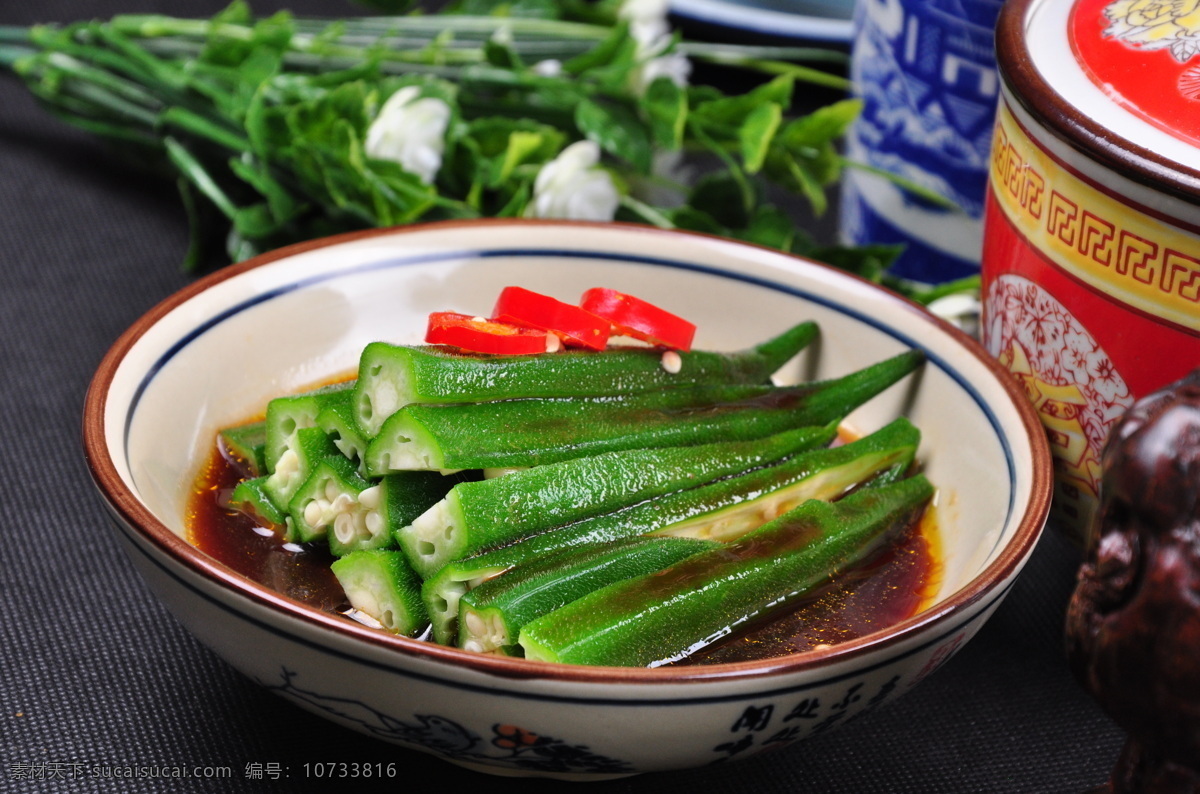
(342, 503)
(369, 498)
(671, 362)
(343, 528)
(374, 523)
(312, 513)
(553, 343)
(287, 465)
(475, 624)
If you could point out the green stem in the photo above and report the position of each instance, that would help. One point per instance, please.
(901, 182)
(191, 168)
(646, 212)
(808, 75)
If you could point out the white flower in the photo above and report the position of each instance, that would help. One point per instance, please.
(571, 186)
(647, 19)
(411, 132)
(674, 66)
(548, 68)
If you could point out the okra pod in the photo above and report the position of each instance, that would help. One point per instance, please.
(246, 446)
(717, 510)
(337, 504)
(251, 498)
(337, 419)
(545, 430)
(307, 447)
(286, 415)
(380, 583)
(391, 376)
(493, 613)
(655, 618)
(408, 494)
(476, 515)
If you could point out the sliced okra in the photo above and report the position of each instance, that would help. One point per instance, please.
(442, 593)
(246, 446)
(654, 618)
(492, 614)
(286, 415)
(308, 446)
(338, 504)
(380, 583)
(391, 376)
(251, 498)
(408, 494)
(337, 420)
(476, 515)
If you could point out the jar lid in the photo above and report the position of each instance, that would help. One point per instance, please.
(1117, 79)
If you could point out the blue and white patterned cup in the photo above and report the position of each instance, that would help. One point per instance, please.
(926, 72)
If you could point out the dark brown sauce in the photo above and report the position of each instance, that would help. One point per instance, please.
(895, 584)
(256, 551)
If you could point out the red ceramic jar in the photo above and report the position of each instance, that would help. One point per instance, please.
(1091, 262)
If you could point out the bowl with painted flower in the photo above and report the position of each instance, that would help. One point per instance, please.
(810, 406)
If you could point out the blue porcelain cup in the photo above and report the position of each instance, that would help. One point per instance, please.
(926, 72)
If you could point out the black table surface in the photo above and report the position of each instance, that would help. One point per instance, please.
(97, 677)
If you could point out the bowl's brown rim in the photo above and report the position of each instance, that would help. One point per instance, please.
(137, 516)
(1065, 120)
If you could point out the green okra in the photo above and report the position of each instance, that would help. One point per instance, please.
(655, 618)
(246, 446)
(476, 515)
(339, 505)
(309, 445)
(408, 494)
(286, 415)
(337, 419)
(722, 509)
(250, 497)
(538, 431)
(379, 583)
(493, 613)
(391, 376)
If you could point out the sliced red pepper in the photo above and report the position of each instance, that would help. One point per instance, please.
(572, 324)
(640, 319)
(483, 336)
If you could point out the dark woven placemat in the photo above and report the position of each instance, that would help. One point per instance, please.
(97, 677)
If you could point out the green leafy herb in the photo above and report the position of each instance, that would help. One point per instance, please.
(283, 129)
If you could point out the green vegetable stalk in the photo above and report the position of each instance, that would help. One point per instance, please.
(654, 618)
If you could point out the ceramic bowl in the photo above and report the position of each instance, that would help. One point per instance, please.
(213, 354)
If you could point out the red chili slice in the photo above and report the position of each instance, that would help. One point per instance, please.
(483, 336)
(572, 324)
(640, 319)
